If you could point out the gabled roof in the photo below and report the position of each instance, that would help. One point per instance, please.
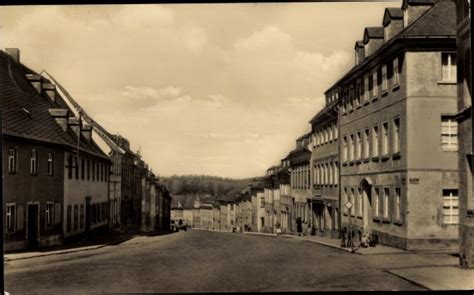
(440, 20)
(392, 13)
(25, 111)
(373, 33)
(359, 43)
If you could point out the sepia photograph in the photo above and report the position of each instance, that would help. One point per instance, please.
(236, 147)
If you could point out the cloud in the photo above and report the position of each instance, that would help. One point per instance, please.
(269, 36)
(194, 39)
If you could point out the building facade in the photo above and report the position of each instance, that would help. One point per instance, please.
(398, 135)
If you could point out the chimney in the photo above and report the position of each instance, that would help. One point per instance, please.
(50, 90)
(86, 131)
(35, 81)
(74, 124)
(13, 53)
(60, 115)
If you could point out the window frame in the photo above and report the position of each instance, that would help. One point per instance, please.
(34, 162)
(12, 160)
(450, 135)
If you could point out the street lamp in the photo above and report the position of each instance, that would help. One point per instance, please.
(349, 234)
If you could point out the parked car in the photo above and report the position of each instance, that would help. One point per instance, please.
(177, 225)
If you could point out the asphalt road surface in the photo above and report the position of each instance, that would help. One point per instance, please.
(201, 261)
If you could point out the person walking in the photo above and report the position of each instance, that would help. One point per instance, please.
(299, 226)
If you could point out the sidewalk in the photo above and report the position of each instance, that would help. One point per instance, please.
(429, 270)
(95, 242)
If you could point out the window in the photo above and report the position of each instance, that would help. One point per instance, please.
(357, 94)
(335, 131)
(76, 217)
(69, 218)
(336, 173)
(384, 79)
(353, 200)
(450, 206)
(12, 160)
(374, 85)
(448, 67)
(375, 141)
(397, 202)
(376, 202)
(49, 214)
(83, 166)
(344, 149)
(351, 147)
(385, 139)
(449, 133)
(325, 135)
(50, 167)
(330, 174)
(366, 89)
(358, 146)
(88, 169)
(386, 193)
(76, 165)
(396, 135)
(11, 217)
(396, 74)
(329, 132)
(366, 143)
(93, 171)
(360, 202)
(34, 162)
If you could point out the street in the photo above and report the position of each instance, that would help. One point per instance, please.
(201, 261)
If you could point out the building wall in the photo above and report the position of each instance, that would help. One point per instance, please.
(188, 216)
(75, 193)
(115, 189)
(466, 191)
(23, 188)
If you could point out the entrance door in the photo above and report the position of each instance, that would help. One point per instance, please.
(33, 221)
(366, 197)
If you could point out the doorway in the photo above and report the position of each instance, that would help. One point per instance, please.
(33, 225)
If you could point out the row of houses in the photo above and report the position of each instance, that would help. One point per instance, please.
(390, 153)
(64, 175)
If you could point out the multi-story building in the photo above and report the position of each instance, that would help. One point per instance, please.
(224, 215)
(398, 131)
(52, 152)
(301, 191)
(325, 168)
(286, 200)
(465, 125)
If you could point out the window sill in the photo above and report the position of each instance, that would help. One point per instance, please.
(375, 98)
(447, 82)
(450, 151)
(375, 159)
(385, 157)
(398, 222)
(395, 87)
(359, 217)
(358, 106)
(351, 110)
(366, 102)
(396, 156)
(344, 164)
(384, 93)
(358, 162)
(351, 163)
(366, 160)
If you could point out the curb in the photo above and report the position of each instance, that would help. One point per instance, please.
(60, 252)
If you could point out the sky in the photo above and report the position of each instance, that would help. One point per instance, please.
(215, 89)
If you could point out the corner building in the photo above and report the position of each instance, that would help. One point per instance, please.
(398, 131)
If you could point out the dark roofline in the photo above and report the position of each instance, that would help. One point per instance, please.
(386, 47)
(391, 13)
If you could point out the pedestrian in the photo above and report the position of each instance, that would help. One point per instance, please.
(278, 229)
(343, 237)
(299, 226)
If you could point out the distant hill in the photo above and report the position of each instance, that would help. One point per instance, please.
(209, 187)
